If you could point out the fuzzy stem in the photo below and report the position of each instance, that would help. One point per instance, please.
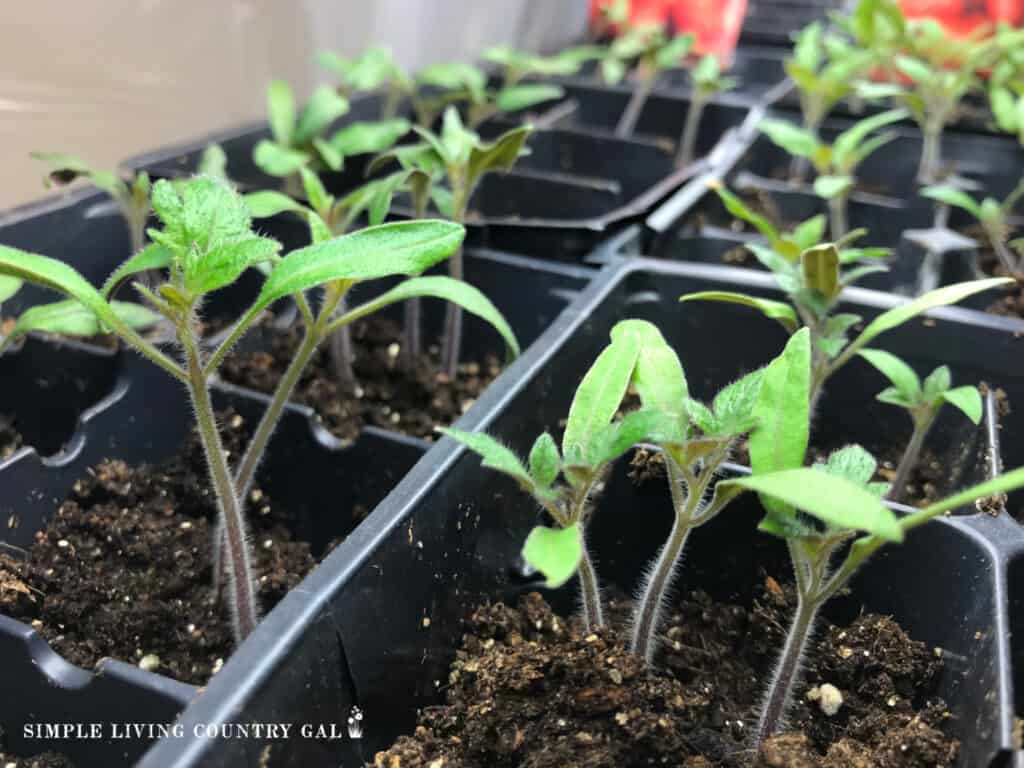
(451, 344)
(238, 565)
(341, 353)
(645, 619)
(931, 154)
(688, 142)
(412, 338)
(593, 613)
(1005, 256)
(838, 225)
(246, 470)
(922, 424)
(631, 115)
(787, 670)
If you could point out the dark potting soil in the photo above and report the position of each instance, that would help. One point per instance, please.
(10, 438)
(530, 689)
(42, 760)
(412, 402)
(124, 569)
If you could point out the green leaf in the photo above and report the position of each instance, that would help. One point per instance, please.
(915, 69)
(153, 256)
(319, 200)
(809, 233)
(898, 372)
(57, 276)
(67, 168)
(895, 317)
(267, 203)
(598, 398)
(223, 264)
(1004, 108)
(364, 137)
(776, 310)
(738, 208)
(554, 552)
(517, 97)
(324, 107)
(200, 213)
(967, 399)
(790, 137)
(807, 49)
(281, 112)
(844, 148)
(403, 248)
(734, 405)
(610, 442)
(277, 160)
(331, 158)
(213, 162)
(707, 71)
(455, 291)
(500, 155)
(852, 463)
(834, 500)
(832, 186)
(545, 462)
(672, 53)
(495, 454)
(782, 410)
(953, 196)
(453, 76)
(821, 270)
(8, 287)
(658, 375)
(701, 415)
(72, 318)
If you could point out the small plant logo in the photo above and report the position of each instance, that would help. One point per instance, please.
(355, 723)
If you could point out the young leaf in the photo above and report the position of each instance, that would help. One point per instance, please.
(213, 163)
(361, 137)
(544, 461)
(281, 112)
(331, 157)
(658, 375)
(500, 155)
(403, 248)
(618, 437)
(495, 455)
(316, 193)
(277, 160)
(223, 264)
(898, 372)
(937, 382)
(809, 233)
(776, 310)
(72, 318)
(153, 256)
(855, 464)
(967, 399)
(827, 187)
(555, 552)
(834, 500)
(844, 148)
(324, 107)
(791, 138)
(782, 411)
(737, 208)
(734, 405)
(598, 398)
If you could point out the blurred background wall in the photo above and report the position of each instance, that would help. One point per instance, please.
(105, 79)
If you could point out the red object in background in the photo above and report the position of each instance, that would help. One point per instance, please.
(960, 17)
(714, 23)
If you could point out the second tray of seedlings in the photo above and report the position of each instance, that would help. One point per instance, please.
(632, 682)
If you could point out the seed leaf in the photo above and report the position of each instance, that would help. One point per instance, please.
(281, 112)
(517, 97)
(598, 398)
(324, 107)
(898, 372)
(776, 310)
(72, 318)
(455, 291)
(153, 256)
(8, 287)
(790, 137)
(555, 552)
(967, 399)
(782, 410)
(953, 196)
(277, 160)
(500, 155)
(267, 203)
(658, 375)
(495, 454)
(618, 437)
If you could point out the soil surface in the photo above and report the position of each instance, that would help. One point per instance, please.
(412, 402)
(42, 760)
(10, 438)
(528, 689)
(1010, 303)
(124, 569)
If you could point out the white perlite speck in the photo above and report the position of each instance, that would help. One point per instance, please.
(829, 698)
